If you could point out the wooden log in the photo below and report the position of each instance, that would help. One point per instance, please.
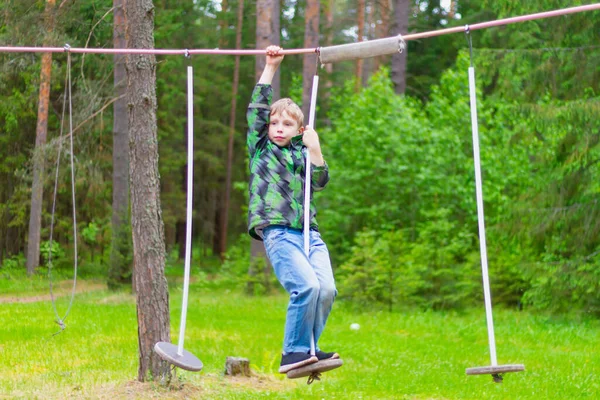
(235, 366)
(351, 51)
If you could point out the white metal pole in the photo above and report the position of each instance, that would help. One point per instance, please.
(480, 218)
(307, 186)
(190, 180)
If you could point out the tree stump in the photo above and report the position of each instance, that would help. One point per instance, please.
(235, 366)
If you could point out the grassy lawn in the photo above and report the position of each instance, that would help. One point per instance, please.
(408, 355)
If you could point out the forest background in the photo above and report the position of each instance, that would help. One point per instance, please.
(399, 214)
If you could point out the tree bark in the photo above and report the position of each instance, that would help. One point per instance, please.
(452, 11)
(229, 167)
(382, 29)
(119, 271)
(41, 134)
(360, 22)
(223, 24)
(369, 34)
(401, 12)
(329, 42)
(268, 30)
(311, 39)
(146, 217)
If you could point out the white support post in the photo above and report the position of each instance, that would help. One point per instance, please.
(480, 218)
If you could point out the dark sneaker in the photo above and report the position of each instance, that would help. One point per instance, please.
(321, 355)
(295, 360)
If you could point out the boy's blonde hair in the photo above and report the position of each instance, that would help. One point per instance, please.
(288, 105)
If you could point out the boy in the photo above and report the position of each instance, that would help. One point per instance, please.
(276, 144)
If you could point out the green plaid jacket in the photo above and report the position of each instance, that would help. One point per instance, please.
(276, 173)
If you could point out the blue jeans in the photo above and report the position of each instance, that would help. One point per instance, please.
(308, 280)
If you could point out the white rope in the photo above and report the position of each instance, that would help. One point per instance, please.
(190, 180)
(480, 213)
(307, 187)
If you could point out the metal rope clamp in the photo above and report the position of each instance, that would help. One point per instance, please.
(401, 44)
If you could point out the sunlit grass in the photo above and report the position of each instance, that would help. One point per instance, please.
(408, 355)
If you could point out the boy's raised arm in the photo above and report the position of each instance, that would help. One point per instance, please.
(273, 61)
(258, 109)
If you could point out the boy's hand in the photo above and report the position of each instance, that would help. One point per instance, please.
(311, 141)
(273, 61)
(273, 56)
(310, 138)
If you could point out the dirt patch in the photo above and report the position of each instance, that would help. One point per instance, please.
(60, 289)
(203, 386)
(147, 390)
(210, 386)
(256, 382)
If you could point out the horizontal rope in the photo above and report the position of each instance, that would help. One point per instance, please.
(237, 52)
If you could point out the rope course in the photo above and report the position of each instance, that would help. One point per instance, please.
(176, 355)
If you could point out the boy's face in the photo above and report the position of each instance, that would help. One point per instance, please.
(282, 128)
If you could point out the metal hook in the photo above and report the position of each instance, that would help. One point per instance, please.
(315, 376)
(470, 42)
(401, 44)
(67, 48)
(318, 51)
(187, 53)
(62, 325)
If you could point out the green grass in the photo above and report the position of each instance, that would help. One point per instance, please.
(408, 355)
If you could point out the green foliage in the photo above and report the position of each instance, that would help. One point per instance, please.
(120, 271)
(52, 254)
(240, 270)
(90, 233)
(399, 214)
(14, 263)
(414, 170)
(369, 146)
(237, 259)
(410, 168)
(381, 269)
(564, 285)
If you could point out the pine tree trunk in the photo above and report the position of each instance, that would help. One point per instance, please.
(360, 22)
(329, 42)
(41, 134)
(382, 30)
(119, 271)
(311, 39)
(452, 11)
(234, 93)
(223, 24)
(401, 12)
(267, 33)
(369, 34)
(146, 216)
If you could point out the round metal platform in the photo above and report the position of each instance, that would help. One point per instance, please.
(495, 370)
(169, 352)
(316, 368)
